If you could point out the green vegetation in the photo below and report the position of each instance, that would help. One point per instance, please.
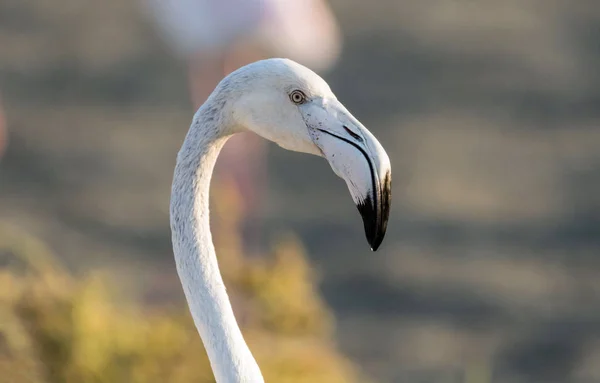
(55, 328)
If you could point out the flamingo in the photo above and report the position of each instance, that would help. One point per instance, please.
(287, 103)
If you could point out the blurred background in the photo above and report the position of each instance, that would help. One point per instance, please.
(489, 111)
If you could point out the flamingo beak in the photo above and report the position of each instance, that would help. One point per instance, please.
(358, 158)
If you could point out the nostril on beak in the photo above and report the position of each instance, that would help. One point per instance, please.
(354, 135)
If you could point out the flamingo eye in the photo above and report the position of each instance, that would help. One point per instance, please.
(297, 97)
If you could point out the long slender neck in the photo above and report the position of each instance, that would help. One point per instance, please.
(230, 358)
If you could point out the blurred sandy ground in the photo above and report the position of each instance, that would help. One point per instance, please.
(489, 110)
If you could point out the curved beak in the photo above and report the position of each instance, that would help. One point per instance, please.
(356, 156)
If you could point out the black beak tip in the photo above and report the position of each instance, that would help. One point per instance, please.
(374, 247)
(374, 228)
(376, 241)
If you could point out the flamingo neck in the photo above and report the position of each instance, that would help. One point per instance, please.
(195, 258)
